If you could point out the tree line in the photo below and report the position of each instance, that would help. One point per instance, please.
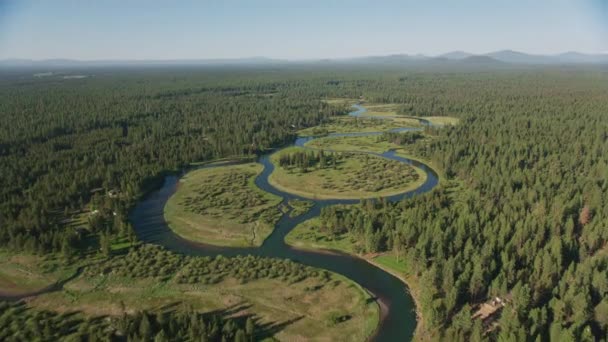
(522, 216)
(20, 323)
(303, 160)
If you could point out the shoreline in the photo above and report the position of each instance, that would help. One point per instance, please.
(410, 187)
(190, 230)
(413, 289)
(412, 286)
(422, 178)
(410, 310)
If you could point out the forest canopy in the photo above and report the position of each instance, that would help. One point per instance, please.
(523, 215)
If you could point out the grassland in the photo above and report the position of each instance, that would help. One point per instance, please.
(313, 305)
(307, 235)
(299, 207)
(442, 120)
(381, 109)
(222, 206)
(353, 143)
(372, 144)
(341, 101)
(354, 125)
(355, 176)
(23, 273)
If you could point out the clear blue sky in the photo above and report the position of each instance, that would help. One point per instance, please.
(129, 29)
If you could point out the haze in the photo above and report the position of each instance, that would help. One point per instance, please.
(303, 30)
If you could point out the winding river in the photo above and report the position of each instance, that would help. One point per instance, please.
(398, 317)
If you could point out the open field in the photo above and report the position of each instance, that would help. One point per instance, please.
(354, 124)
(375, 144)
(315, 305)
(299, 207)
(381, 109)
(442, 120)
(222, 206)
(362, 144)
(341, 101)
(227, 160)
(23, 273)
(355, 176)
(307, 235)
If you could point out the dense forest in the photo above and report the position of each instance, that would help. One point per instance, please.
(520, 215)
(524, 215)
(61, 140)
(303, 160)
(20, 323)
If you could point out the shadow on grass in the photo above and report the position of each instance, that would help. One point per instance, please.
(72, 322)
(263, 329)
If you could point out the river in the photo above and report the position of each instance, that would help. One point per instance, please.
(398, 317)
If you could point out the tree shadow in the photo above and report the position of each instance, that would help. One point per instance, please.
(262, 330)
(72, 321)
(270, 329)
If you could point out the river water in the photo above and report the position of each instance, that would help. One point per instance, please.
(398, 318)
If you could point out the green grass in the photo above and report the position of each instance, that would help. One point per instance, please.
(442, 120)
(120, 245)
(361, 144)
(356, 176)
(381, 109)
(308, 302)
(391, 262)
(353, 125)
(221, 161)
(23, 273)
(307, 235)
(222, 206)
(299, 207)
(341, 101)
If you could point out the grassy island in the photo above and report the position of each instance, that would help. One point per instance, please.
(222, 206)
(341, 175)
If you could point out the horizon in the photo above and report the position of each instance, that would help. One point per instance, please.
(270, 58)
(315, 30)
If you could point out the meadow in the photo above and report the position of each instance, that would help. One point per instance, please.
(299, 302)
(354, 176)
(347, 124)
(222, 206)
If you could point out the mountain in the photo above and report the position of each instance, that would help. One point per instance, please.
(455, 55)
(515, 57)
(480, 59)
(577, 57)
(67, 63)
(503, 57)
(389, 59)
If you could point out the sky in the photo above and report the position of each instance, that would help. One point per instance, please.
(286, 29)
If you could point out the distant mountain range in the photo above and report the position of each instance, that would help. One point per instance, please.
(498, 57)
(455, 57)
(143, 62)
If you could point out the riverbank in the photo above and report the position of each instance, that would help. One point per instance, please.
(398, 324)
(387, 263)
(346, 176)
(222, 206)
(293, 301)
(413, 287)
